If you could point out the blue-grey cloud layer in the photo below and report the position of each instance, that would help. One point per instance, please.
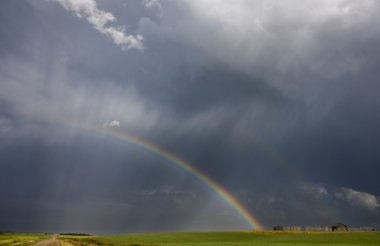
(276, 101)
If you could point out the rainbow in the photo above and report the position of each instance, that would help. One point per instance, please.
(186, 166)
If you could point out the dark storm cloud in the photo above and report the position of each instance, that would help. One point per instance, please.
(275, 101)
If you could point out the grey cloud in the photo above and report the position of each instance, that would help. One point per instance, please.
(63, 100)
(312, 39)
(317, 191)
(357, 198)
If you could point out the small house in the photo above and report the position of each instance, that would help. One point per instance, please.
(339, 227)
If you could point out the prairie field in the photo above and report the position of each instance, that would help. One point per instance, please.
(245, 238)
(20, 239)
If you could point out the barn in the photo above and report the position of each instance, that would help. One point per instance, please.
(339, 227)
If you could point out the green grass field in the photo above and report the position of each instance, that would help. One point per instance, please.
(264, 238)
(20, 239)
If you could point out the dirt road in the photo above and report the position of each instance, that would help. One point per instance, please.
(53, 241)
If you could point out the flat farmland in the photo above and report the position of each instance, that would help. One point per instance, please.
(245, 238)
(20, 239)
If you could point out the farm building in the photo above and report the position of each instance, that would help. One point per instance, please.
(368, 228)
(339, 227)
(287, 228)
(334, 227)
(317, 228)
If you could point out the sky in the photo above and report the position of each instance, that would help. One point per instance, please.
(276, 101)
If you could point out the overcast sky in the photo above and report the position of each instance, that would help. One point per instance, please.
(278, 101)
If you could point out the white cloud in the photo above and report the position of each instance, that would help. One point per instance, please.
(358, 198)
(151, 3)
(112, 123)
(99, 20)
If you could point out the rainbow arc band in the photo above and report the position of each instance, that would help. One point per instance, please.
(187, 167)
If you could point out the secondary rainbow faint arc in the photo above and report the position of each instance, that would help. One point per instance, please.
(188, 167)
